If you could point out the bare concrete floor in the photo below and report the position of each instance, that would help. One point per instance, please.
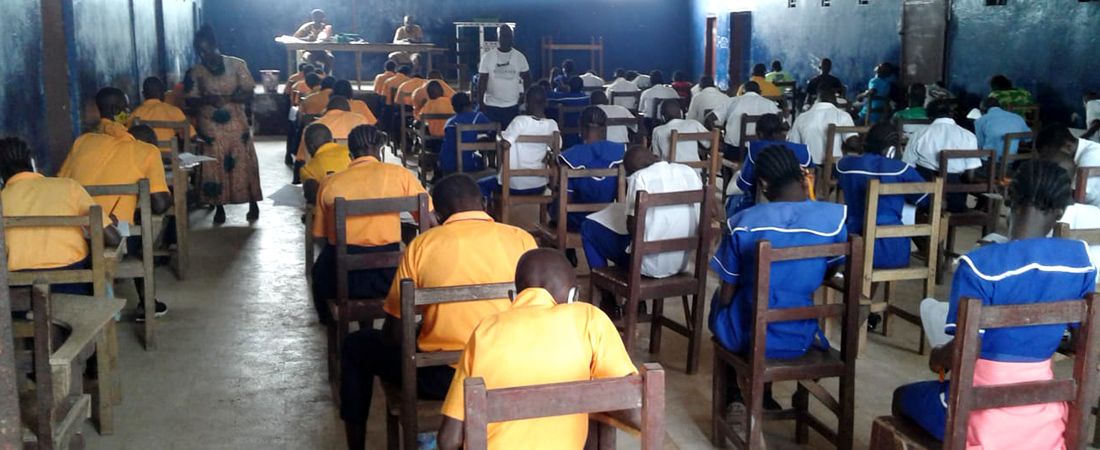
(241, 358)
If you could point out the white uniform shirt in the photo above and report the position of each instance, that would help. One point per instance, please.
(618, 133)
(528, 155)
(710, 98)
(643, 82)
(811, 128)
(1081, 217)
(591, 80)
(730, 113)
(665, 222)
(1092, 113)
(505, 85)
(695, 90)
(651, 99)
(1088, 155)
(686, 151)
(621, 85)
(943, 134)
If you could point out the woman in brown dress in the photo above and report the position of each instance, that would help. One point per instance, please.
(218, 89)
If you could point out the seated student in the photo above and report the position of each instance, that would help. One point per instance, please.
(326, 158)
(651, 98)
(778, 75)
(923, 151)
(709, 98)
(420, 95)
(340, 121)
(467, 249)
(877, 86)
(915, 111)
(367, 177)
(573, 96)
(27, 193)
(438, 103)
(825, 77)
(379, 80)
(770, 131)
(403, 74)
(1055, 147)
(729, 114)
(524, 156)
(416, 81)
(767, 89)
(1092, 117)
(448, 152)
(995, 123)
(1056, 143)
(301, 87)
(591, 80)
(567, 70)
(154, 109)
(1028, 269)
(789, 219)
(298, 76)
(597, 152)
(686, 151)
(508, 349)
(812, 127)
(682, 84)
(622, 85)
(315, 103)
(343, 88)
(1006, 94)
(113, 106)
(618, 133)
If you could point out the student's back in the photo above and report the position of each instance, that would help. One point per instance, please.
(595, 155)
(853, 173)
(31, 194)
(101, 160)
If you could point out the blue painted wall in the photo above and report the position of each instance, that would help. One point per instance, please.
(179, 32)
(20, 97)
(638, 34)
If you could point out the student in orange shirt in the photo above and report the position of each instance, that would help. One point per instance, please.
(315, 103)
(338, 118)
(343, 88)
(420, 95)
(326, 158)
(302, 88)
(155, 109)
(437, 104)
(380, 79)
(301, 75)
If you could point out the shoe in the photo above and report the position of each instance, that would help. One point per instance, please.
(253, 213)
(219, 216)
(873, 320)
(736, 413)
(161, 307)
(611, 307)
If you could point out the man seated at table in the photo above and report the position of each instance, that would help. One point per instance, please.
(420, 95)
(524, 156)
(27, 193)
(467, 249)
(343, 88)
(326, 158)
(686, 151)
(597, 152)
(318, 30)
(155, 109)
(407, 33)
(507, 350)
(339, 119)
(315, 103)
(448, 151)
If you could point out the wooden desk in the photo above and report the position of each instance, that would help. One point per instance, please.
(358, 48)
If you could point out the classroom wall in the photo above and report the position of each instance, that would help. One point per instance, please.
(23, 89)
(638, 34)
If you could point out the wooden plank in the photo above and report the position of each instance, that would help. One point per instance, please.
(548, 400)
(1032, 314)
(912, 273)
(891, 231)
(433, 296)
(11, 429)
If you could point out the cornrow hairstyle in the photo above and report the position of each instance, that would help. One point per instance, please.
(881, 138)
(365, 137)
(778, 167)
(15, 157)
(1042, 185)
(593, 117)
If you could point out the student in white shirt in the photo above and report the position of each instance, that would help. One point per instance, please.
(524, 156)
(923, 151)
(651, 98)
(811, 128)
(591, 80)
(1057, 144)
(729, 114)
(621, 84)
(708, 98)
(686, 151)
(503, 75)
(1092, 117)
(644, 81)
(617, 133)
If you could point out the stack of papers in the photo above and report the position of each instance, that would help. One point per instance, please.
(189, 160)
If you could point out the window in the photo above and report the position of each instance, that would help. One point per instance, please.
(995, 2)
(791, 3)
(824, 2)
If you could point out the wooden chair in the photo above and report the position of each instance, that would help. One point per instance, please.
(636, 96)
(1079, 392)
(565, 127)
(906, 128)
(406, 126)
(1030, 114)
(406, 414)
(134, 267)
(1081, 182)
(10, 436)
(808, 370)
(747, 120)
(645, 390)
(504, 203)
(1026, 150)
(883, 110)
(461, 146)
(629, 283)
(343, 308)
(425, 159)
(556, 234)
(825, 188)
(180, 181)
(987, 188)
(629, 122)
(711, 164)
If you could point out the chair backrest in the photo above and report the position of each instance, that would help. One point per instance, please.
(636, 95)
(1079, 392)
(906, 127)
(563, 125)
(1090, 235)
(1081, 182)
(747, 120)
(635, 122)
(645, 390)
(1025, 150)
(344, 208)
(10, 436)
(553, 149)
(1030, 114)
(561, 194)
(659, 106)
(97, 274)
(882, 108)
(424, 126)
(462, 146)
(872, 230)
(144, 202)
(827, 180)
(986, 185)
(709, 165)
(699, 243)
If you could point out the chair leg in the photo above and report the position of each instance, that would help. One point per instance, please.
(718, 397)
(631, 325)
(393, 432)
(846, 416)
(104, 410)
(330, 331)
(150, 305)
(755, 418)
(886, 297)
(801, 404)
(655, 326)
(695, 342)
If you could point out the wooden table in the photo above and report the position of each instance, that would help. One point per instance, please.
(355, 47)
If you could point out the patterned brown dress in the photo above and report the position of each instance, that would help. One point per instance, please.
(225, 135)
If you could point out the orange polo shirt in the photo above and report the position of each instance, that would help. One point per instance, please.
(330, 158)
(469, 248)
(339, 122)
(158, 111)
(112, 128)
(395, 81)
(380, 80)
(295, 78)
(301, 89)
(441, 105)
(31, 194)
(315, 103)
(360, 107)
(420, 95)
(539, 342)
(409, 87)
(365, 178)
(100, 160)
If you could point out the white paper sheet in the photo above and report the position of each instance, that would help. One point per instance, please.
(613, 217)
(933, 317)
(289, 195)
(188, 159)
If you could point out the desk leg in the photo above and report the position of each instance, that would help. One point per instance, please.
(104, 410)
(428, 56)
(359, 70)
(290, 62)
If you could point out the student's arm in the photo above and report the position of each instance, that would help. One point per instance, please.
(160, 202)
(450, 435)
(726, 293)
(482, 82)
(310, 188)
(942, 358)
(1092, 129)
(111, 236)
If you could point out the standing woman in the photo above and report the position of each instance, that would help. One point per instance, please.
(218, 89)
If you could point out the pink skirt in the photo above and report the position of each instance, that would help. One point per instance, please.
(1034, 427)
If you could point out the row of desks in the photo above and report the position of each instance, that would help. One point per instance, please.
(354, 47)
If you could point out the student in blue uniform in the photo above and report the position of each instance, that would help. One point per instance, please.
(573, 96)
(771, 132)
(464, 114)
(789, 219)
(596, 153)
(1030, 268)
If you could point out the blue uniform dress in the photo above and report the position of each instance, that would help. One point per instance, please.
(882, 89)
(784, 224)
(596, 155)
(448, 161)
(571, 120)
(746, 181)
(1017, 272)
(853, 173)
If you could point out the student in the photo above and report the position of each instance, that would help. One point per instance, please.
(296, 85)
(789, 219)
(622, 134)
(1056, 143)
(778, 75)
(767, 89)
(437, 103)
(320, 29)
(729, 114)
(591, 80)
(651, 98)
(154, 109)
(1008, 95)
(923, 151)
(340, 121)
(1029, 269)
(621, 84)
(467, 249)
(399, 78)
(812, 127)
(367, 177)
(686, 151)
(27, 193)
(298, 76)
(642, 80)
(326, 158)
(503, 76)
(524, 156)
(343, 88)
(878, 86)
(824, 78)
(994, 124)
(302, 89)
(597, 152)
(390, 70)
(420, 95)
(573, 97)
(682, 84)
(915, 111)
(315, 103)
(506, 350)
(709, 98)
(448, 152)
(1092, 116)
(568, 70)
(415, 82)
(769, 128)
(114, 113)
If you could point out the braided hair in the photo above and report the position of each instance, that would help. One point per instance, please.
(365, 139)
(1042, 185)
(15, 157)
(881, 138)
(777, 166)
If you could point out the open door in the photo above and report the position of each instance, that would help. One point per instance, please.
(740, 47)
(711, 46)
(923, 41)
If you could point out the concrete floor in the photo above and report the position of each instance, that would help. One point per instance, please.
(241, 358)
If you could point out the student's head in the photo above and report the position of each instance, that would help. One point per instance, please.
(144, 133)
(568, 66)
(206, 45)
(670, 109)
(751, 86)
(111, 101)
(460, 102)
(536, 101)
(391, 65)
(342, 88)
(679, 76)
(826, 66)
(320, 71)
(706, 81)
(15, 157)
(940, 108)
(779, 176)
(883, 70)
(576, 84)
(598, 98)
(759, 70)
(1054, 141)
(828, 91)
(1038, 195)
(631, 75)
(302, 67)
(656, 77)
(316, 136)
(1000, 83)
(313, 80)
(638, 157)
(987, 103)
(416, 75)
(505, 37)
(405, 70)
(547, 269)
(336, 102)
(366, 140)
(408, 20)
(620, 73)
(328, 82)
(770, 128)
(1090, 96)
(777, 66)
(880, 139)
(153, 88)
(434, 89)
(544, 82)
(317, 15)
(454, 194)
(593, 124)
(917, 94)
(435, 75)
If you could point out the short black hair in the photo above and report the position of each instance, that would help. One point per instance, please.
(777, 165)
(328, 82)
(145, 133)
(706, 81)
(1053, 137)
(343, 88)
(391, 65)
(1042, 185)
(312, 80)
(206, 35)
(153, 87)
(109, 101)
(455, 192)
(575, 83)
(769, 125)
(460, 101)
(751, 86)
(917, 95)
(598, 98)
(1000, 83)
(881, 137)
(338, 102)
(679, 76)
(940, 108)
(302, 67)
(434, 89)
(316, 135)
(405, 70)
(759, 69)
(656, 77)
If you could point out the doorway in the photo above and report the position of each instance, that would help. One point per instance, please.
(711, 51)
(740, 47)
(923, 41)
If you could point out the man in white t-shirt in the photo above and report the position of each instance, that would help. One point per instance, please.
(503, 76)
(651, 98)
(621, 84)
(591, 80)
(923, 151)
(606, 233)
(616, 133)
(707, 99)
(811, 128)
(729, 114)
(527, 155)
(1092, 117)
(686, 151)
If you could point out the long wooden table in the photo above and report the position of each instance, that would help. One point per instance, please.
(355, 47)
